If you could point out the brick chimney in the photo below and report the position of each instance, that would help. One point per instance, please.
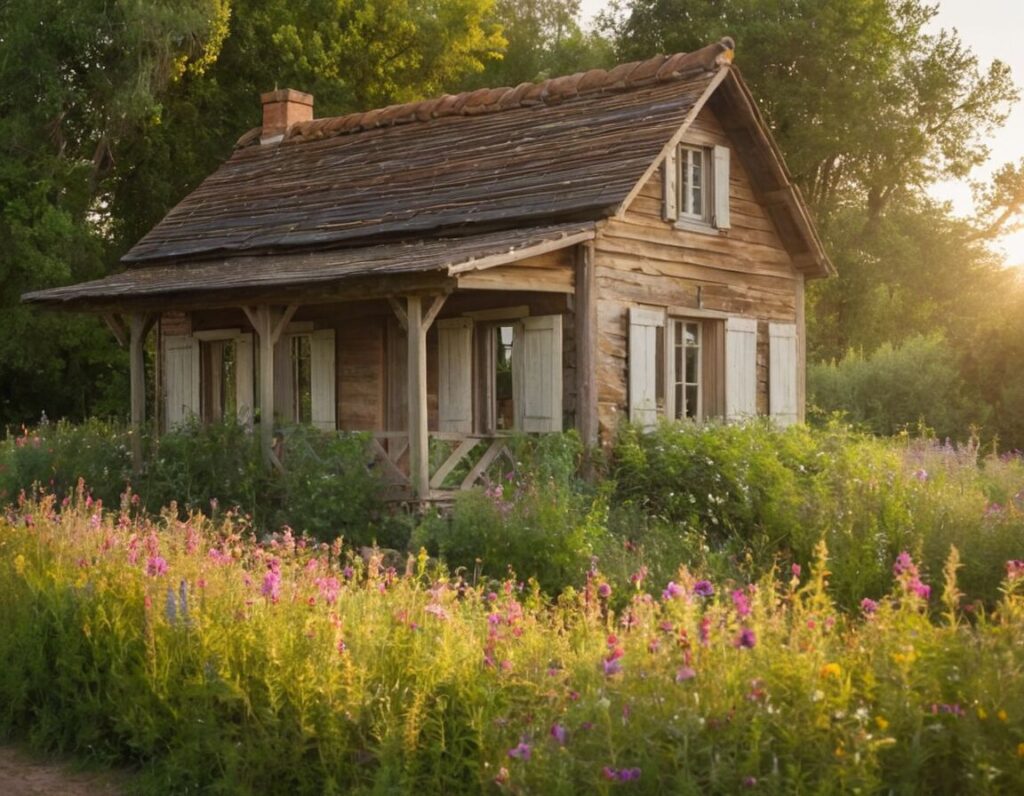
(282, 109)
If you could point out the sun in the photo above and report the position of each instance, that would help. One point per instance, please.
(1013, 245)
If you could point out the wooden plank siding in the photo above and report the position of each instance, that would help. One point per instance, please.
(641, 258)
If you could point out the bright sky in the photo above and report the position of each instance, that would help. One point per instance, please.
(990, 28)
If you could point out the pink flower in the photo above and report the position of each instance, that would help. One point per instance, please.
(604, 591)
(741, 603)
(1014, 569)
(522, 751)
(156, 565)
(271, 585)
(672, 591)
(558, 733)
(795, 571)
(329, 588)
(868, 606)
(684, 673)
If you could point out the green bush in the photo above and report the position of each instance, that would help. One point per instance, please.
(896, 388)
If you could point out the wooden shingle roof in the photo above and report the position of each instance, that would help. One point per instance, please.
(566, 149)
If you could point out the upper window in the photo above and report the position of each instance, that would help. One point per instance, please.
(693, 193)
(696, 182)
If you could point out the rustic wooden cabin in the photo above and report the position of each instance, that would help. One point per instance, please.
(606, 245)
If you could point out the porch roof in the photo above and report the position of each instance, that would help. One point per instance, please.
(443, 257)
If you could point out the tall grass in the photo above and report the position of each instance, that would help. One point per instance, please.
(215, 663)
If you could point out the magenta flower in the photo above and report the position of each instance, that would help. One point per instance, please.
(746, 639)
(868, 606)
(611, 667)
(620, 774)
(271, 585)
(704, 588)
(741, 603)
(348, 573)
(904, 563)
(922, 590)
(156, 565)
(604, 591)
(684, 673)
(672, 591)
(795, 570)
(521, 752)
(750, 782)
(558, 733)
(329, 588)
(1014, 569)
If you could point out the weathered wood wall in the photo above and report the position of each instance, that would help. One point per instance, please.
(642, 259)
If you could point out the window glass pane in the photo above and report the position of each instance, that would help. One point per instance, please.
(691, 365)
(504, 413)
(680, 406)
(691, 400)
(229, 389)
(302, 383)
(691, 334)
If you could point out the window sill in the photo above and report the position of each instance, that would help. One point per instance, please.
(703, 227)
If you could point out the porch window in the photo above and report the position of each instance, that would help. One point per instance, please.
(301, 379)
(685, 369)
(219, 395)
(504, 395)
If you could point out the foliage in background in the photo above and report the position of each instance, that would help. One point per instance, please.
(213, 664)
(327, 489)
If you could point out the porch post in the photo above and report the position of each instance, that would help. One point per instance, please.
(419, 468)
(139, 326)
(268, 323)
(586, 345)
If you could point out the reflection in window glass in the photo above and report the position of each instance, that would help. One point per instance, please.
(504, 410)
(686, 366)
(302, 382)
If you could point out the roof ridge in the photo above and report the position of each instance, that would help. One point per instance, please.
(634, 74)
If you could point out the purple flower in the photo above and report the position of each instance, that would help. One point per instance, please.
(921, 474)
(156, 565)
(684, 673)
(868, 606)
(521, 752)
(750, 782)
(703, 588)
(604, 591)
(746, 639)
(271, 585)
(611, 666)
(741, 603)
(348, 573)
(558, 733)
(904, 563)
(620, 774)
(672, 591)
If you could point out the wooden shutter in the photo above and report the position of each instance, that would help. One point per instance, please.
(455, 375)
(643, 365)
(670, 183)
(537, 361)
(782, 373)
(181, 362)
(244, 378)
(720, 156)
(284, 393)
(321, 377)
(740, 368)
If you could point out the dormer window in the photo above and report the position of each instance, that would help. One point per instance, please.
(696, 180)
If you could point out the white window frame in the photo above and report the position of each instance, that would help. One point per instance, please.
(675, 338)
(686, 156)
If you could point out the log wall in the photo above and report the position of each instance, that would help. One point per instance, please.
(643, 259)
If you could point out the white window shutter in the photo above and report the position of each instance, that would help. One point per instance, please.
(740, 368)
(455, 375)
(540, 354)
(181, 355)
(284, 395)
(322, 382)
(244, 378)
(782, 373)
(670, 183)
(721, 187)
(643, 365)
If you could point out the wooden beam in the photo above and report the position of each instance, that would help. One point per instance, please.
(419, 465)
(512, 255)
(139, 326)
(399, 311)
(116, 326)
(586, 345)
(435, 308)
(283, 321)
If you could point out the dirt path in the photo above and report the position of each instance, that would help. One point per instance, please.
(23, 775)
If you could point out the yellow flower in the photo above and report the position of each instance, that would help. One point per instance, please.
(882, 722)
(831, 670)
(1001, 715)
(982, 714)
(19, 563)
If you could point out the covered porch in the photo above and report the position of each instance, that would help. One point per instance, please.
(440, 349)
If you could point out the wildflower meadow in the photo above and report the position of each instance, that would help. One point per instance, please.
(212, 660)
